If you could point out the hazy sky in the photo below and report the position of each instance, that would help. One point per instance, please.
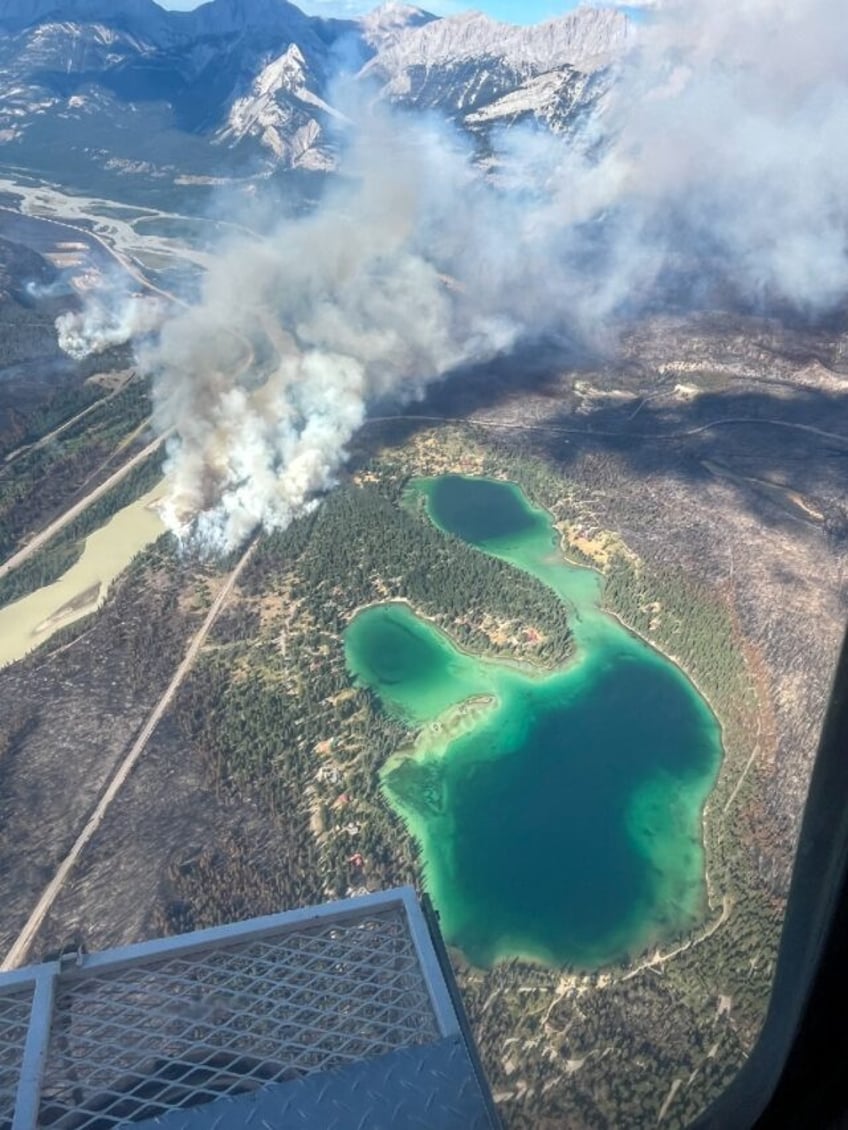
(513, 11)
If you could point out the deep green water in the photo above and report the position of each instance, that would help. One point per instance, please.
(560, 820)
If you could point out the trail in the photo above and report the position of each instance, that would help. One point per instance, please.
(659, 959)
(122, 445)
(18, 952)
(44, 536)
(19, 451)
(747, 767)
(590, 432)
(741, 780)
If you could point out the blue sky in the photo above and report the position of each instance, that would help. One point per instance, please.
(513, 11)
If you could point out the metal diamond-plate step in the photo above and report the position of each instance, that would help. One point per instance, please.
(424, 1088)
(187, 1029)
(290, 1010)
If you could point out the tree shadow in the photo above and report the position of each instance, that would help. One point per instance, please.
(779, 444)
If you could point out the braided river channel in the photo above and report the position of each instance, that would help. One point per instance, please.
(559, 814)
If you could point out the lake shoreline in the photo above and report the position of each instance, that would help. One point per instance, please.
(505, 841)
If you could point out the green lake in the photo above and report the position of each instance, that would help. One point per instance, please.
(559, 814)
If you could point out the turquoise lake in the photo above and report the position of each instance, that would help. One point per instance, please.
(559, 814)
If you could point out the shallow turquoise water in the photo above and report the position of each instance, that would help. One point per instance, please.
(564, 825)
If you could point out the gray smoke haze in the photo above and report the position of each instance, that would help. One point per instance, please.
(731, 129)
(721, 157)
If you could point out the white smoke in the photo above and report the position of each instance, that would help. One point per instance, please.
(40, 291)
(355, 304)
(731, 143)
(721, 158)
(107, 320)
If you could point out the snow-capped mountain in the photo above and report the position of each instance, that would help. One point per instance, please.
(238, 86)
(282, 110)
(383, 27)
(484, 73)
(583, 38)
(274, 19)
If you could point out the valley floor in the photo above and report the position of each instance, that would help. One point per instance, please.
(711, 499)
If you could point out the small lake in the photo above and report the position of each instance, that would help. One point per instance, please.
(559, 814)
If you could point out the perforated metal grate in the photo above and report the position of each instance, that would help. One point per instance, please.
(143, 1040)
(15, 1005)
(340, 1013)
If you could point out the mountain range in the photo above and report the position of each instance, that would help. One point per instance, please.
(247, 87)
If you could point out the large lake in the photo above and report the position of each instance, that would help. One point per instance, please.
(559, 815)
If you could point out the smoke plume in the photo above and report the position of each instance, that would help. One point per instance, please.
(731, 138)
(352, 303)
(109, 317)
(719, 164)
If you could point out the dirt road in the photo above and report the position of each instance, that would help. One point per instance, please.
(19, 451)
(78, 508)
(18, 953)
(122, 260)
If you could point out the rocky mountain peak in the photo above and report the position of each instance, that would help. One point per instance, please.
(383, 25)
(255, 77)
(225, 17)
(581, 38)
